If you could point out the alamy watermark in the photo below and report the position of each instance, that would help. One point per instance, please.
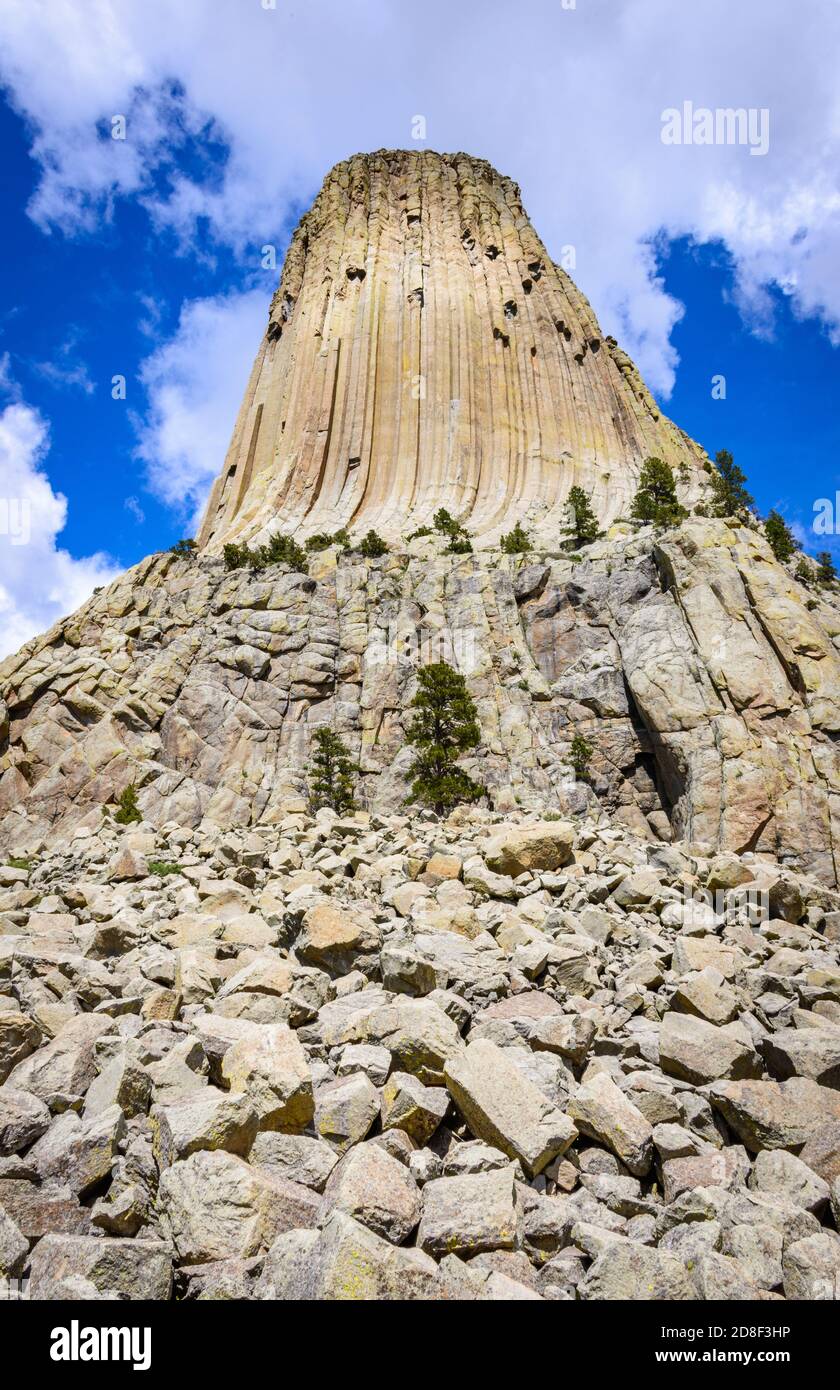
(396, 642)
(688, 124)
(16, 520)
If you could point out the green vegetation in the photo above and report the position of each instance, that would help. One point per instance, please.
(373, 546)
(323, 540)
(459, 539)
(780, 537)
(331, 774)
(584, 527)
(17, 862)
(420, 533)
(804, 572)
(280, 550)
(129, 810)
(656, 498)
(162, 869)
(516, 542)
(580, 757)
(184, 549)
(826, 571)
(444, 726)
(729, 493)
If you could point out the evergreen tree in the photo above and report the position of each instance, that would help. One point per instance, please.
(826, 572)
(444, 726)
(804, 572)
(331, 773)
(129, 810)
(373, 546)
(459, 540)
(656, 498)
(284, 551)
(584, 527)
(184, 549)
(780, 537)
(580, 757)
(729, 494)
(516, 542)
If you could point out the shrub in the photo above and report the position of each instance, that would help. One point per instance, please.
(584, 527)
(184, 549)
(373, 546)
(444, 726)
(804, 572)
(17, 862)
(729, 494)
(460, 545)
(162, 869)
(779, 536)
(580, 757)
(331, 774)
(128, 811)
(656, 498)
(323, 540)
(283, 550)
(421, 532)
(516, 542)
(279, 550)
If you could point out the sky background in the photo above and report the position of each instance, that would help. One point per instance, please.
(143, 257)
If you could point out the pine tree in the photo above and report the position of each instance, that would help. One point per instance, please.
(804, 572)
(656, 498)
(780, 537)
(184, 549)
(285, 551)
(331, 774)
(584, 526)
(373, 546)
(459, 540)
(516, 542)
(826, 571)
(580, 757)
(729, 495)
(129, 810)
(444, 726)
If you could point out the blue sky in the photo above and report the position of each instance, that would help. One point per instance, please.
(143, 257)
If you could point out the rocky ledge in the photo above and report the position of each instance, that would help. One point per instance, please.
(381, 1057)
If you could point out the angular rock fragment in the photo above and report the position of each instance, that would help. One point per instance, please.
(504, 1109)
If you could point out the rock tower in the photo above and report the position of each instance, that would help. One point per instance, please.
(423, 351)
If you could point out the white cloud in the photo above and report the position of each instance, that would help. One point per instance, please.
(39, 582)
(195, 382)
(567, 101)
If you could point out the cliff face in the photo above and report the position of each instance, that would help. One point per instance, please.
(423, 351)
(691, 661)
(706, 678)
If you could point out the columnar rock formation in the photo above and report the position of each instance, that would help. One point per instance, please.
(423, 351)
(706, 677)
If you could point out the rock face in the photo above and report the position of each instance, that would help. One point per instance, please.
(706, 678)
(579, 1041)
(423, 351)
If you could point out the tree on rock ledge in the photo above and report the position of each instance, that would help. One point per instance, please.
(445, 725)
(331, 774)
(656, 499)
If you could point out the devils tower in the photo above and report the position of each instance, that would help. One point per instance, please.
(423, 351)
(575, 1040)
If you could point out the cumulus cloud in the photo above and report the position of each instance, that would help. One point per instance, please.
(195, 382)
(39, 582)
(566, 100)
